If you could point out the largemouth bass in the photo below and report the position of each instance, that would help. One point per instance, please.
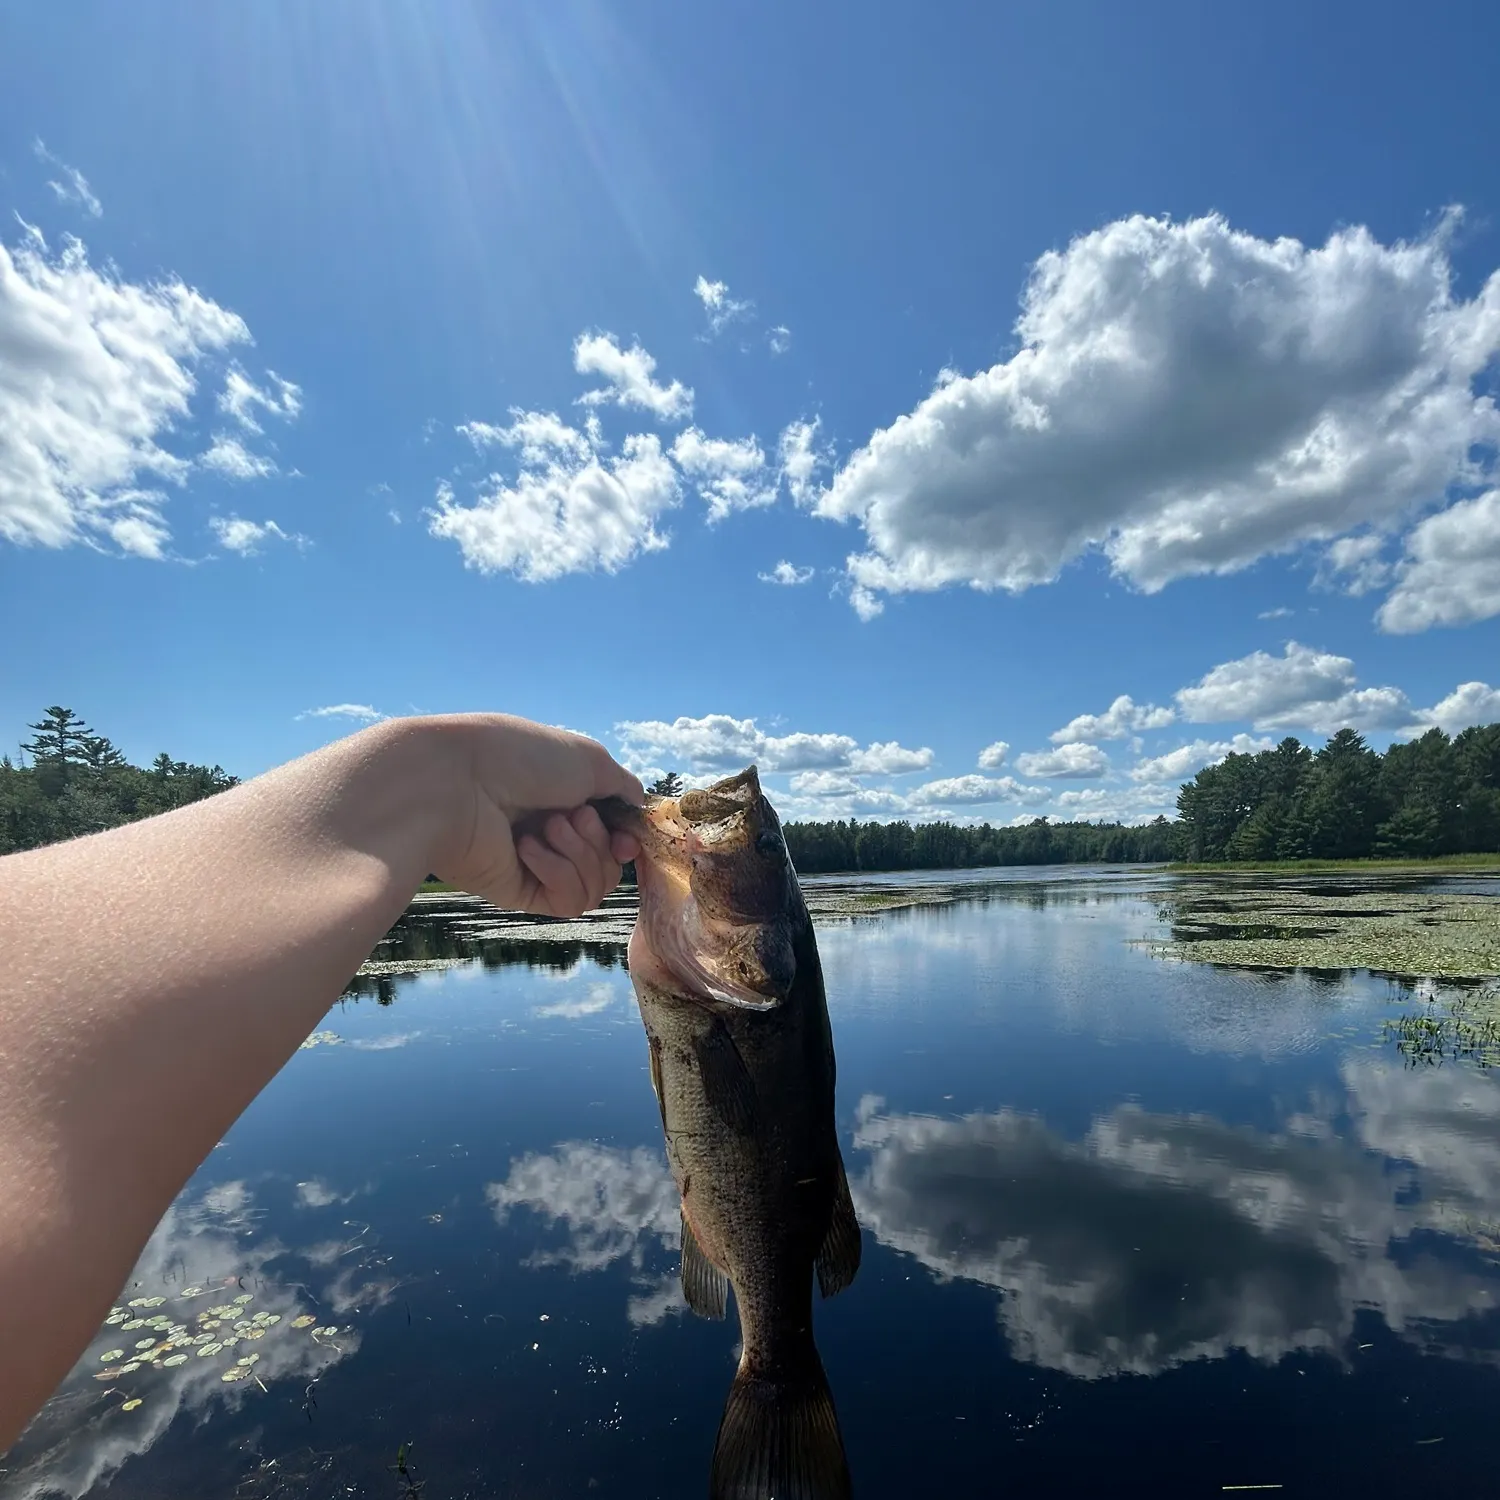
(726, 971)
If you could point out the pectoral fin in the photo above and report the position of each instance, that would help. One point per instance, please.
(653, 1051)
(727, 1084)
(704, 1285)
(838, 1257)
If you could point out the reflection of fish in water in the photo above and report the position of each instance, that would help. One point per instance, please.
(726, 970)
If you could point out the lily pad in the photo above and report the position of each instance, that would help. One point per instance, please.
(106, 1375)
(305, 1321)
(131, 1404)
(175, 1359)
(247, 1297)
(209, 1349)
(132, 1324)
(111, 1354)
(234, 1372)
(145, 1344)
(248, 1360)
(255, 1333)
(129, 1369)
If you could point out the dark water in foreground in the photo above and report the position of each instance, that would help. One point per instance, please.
(1131, 1227)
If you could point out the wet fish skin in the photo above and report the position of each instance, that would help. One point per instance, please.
(725, 967)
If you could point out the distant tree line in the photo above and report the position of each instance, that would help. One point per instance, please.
(1428, 796)
(77, 782)
(850, 845)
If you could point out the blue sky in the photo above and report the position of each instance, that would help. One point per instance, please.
(436, 358)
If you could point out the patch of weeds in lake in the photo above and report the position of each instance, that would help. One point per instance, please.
(1452, 1025)
(1288, 925)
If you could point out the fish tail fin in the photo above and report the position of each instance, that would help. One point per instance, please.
(779, 1438)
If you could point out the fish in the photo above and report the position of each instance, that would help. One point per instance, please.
(726, 973)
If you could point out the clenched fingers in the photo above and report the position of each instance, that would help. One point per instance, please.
(572, 861)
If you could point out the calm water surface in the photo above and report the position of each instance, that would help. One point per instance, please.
(1130, 1227)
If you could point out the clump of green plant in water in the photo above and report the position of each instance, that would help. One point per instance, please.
(1450, 1027)
(1286, 925)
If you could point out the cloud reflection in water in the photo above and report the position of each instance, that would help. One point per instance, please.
(1159, 1239)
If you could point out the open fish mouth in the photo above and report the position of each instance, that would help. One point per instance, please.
(719, 898)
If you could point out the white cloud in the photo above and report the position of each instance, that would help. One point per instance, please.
(95, 373)
(233, 460)
(1354, 565)
(992, 757)
(1123, 717)
(318, 1193)
(597, 998)
(1070, 760)
(1281, 612)
(1187, 399)
(1450, 573)
(570, 510)
(977, 790)
(720, 307)
(887, 758)
(1131, 804)
(1187, 760)
(730, 474)
(628, 375)
(612, 1203)
(139, 529)
(1087, 1241)
(1468, 704)
(720, 742)
(361, 711)
(241, 396)
(74, 188)
(867, 604)
(1301, 689)
(779, 338)
(246, 537)
(837, 794)
(801, 458)
(786, 573)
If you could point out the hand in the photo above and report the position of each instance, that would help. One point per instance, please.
(533, 843)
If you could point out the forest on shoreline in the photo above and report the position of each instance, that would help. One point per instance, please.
(1431, 796)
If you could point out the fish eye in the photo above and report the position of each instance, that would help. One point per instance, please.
(768, 843)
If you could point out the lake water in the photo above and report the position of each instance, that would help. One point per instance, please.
(1131, 1226)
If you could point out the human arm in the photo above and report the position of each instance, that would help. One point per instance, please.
(181, 960)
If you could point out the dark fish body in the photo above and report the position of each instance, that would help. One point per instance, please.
(725, 968)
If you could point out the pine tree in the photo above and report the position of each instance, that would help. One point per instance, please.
(58, 739)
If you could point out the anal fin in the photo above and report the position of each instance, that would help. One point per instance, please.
(838, 1255)
(727, 1084)
(704, 1285)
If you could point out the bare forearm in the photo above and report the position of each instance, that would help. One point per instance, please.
(183, 958)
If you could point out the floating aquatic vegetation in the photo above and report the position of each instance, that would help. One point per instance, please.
(305, 1321)
(110, 1355)
(410, 965)
(131, 1404)
(129, 1369)
(1285, 925)
(172, 1360)
(133, 1323)
(320, 1039)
